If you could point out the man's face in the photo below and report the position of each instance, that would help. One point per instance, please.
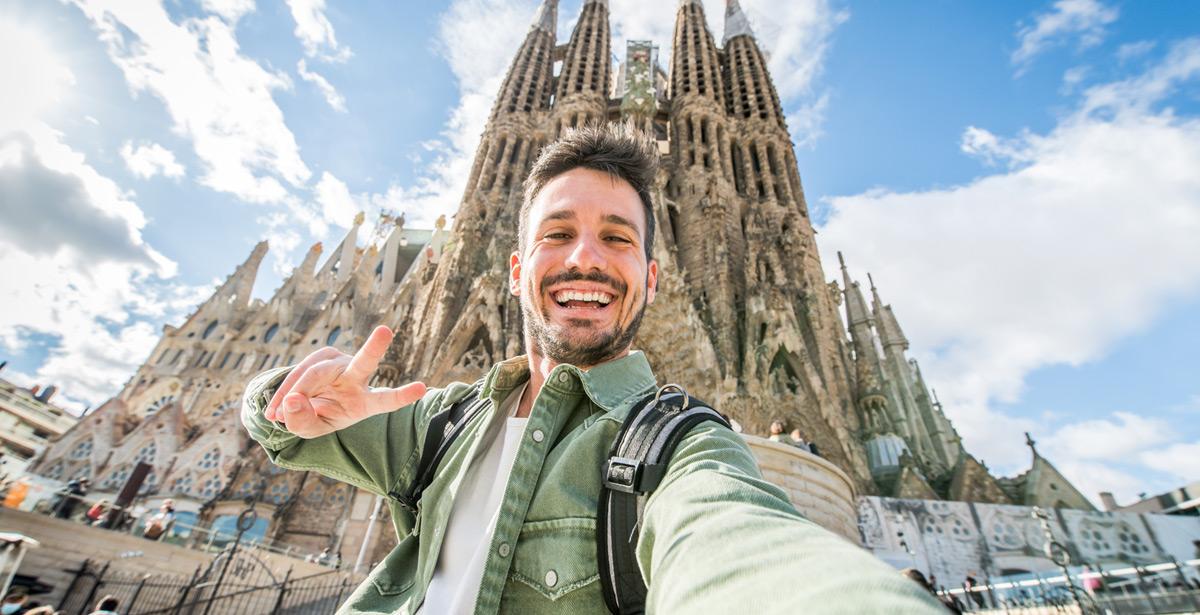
(584, 279)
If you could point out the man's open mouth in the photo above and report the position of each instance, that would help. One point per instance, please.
(582, 300)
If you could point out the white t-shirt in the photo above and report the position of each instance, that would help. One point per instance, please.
(459, 570)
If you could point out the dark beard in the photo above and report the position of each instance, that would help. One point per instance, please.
(607, 346)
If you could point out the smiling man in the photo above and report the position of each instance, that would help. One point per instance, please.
(508, 520)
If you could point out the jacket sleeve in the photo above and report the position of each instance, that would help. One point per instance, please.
(717, 538)
(377, 454)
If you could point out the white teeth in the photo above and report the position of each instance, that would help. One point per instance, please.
(594, 297)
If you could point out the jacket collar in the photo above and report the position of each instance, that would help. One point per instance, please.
(611, 385)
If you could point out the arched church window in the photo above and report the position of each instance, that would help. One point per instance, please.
(279, 493)
(159, 404)
(317, 494)
(116, 479)
(271, 332)
(210, 459)
(147, 454)
(183, 484)
(250, 487)
(212, 326)
(211, 487)
(82, 450)
(333, 336)
(55, 471)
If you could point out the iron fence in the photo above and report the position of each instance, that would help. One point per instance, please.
(1167, 587)
(248, 587)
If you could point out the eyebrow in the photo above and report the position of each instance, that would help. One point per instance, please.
(615, 219)
(567, 214)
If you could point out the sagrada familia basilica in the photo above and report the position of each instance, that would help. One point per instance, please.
(745, 317)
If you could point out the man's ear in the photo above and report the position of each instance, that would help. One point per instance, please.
(651, 281)
(514, 274)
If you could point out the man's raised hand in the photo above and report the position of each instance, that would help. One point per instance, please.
(328, 390)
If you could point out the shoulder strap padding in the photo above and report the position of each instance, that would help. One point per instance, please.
(636, 465)
(440, 434)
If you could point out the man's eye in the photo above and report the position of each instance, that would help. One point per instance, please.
(557, 235)
(618, 238)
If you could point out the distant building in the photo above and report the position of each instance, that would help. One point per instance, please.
(1182, 501)
(27, 421)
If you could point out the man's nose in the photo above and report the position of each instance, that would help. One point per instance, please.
(586, 254)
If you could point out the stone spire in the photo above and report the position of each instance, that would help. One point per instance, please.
(890, 333)
(856, 305)
(736, 23)
(695, 64)
(750, 91)
(586, 64)
(546, 18)
(241, 282)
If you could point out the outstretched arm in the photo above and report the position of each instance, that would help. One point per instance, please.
(322, 416)
(717, 538)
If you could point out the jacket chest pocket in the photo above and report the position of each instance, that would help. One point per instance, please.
(557, 556)
(398, 570)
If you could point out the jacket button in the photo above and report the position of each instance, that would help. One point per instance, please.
(563, 377)
(538, 436)
(551, 579)
(504, 549)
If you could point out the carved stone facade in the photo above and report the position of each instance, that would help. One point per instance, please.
(744, 317)
(954, 539)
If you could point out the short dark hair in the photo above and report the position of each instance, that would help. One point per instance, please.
(108, 603)
(622, 151)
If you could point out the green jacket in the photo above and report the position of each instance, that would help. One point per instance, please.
(716, 538)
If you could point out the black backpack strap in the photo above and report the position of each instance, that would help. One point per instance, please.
(443, 429)
(636, 465)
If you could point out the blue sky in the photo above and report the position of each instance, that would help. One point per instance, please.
(1020, 178)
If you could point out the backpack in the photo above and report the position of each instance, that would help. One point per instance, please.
(636, 464)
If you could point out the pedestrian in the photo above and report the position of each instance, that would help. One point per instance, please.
(798, 440)
(76, 489)
(107, 605)
(161, 522)
(950, 603)
(511, 516)
(96, 513)
(777, 432)
(15, 603)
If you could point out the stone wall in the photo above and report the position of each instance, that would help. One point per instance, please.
(820, 490)
(64, 544)
(953, 539)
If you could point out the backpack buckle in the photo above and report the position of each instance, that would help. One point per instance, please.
(623, 474)
(405, 502)
(667, 387)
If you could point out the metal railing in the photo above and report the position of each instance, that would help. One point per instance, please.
(183, 534)
(252, 590)
(1166, 587)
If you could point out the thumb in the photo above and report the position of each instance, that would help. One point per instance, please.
(299, 416)
(385, 399)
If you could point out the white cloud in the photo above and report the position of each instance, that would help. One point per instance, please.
(1080, 240)
(1074, 76)
(1108, 438)
(146, 161)
(1181, 461)
(39, 75)
(337, 206)
(315, 32)
(1084, 19)
(1130, 51)
(216, 96)
(77, 268)
(332, 96)
(232, 10)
